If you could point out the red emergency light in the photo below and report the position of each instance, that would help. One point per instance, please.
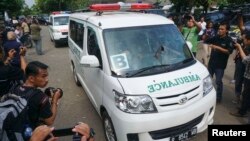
(60, 12)
(120, 6)
(141, 6)
(105, 7)
(56, 12)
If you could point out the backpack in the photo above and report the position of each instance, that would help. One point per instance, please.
(14, 119)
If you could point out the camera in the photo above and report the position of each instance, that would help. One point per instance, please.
(51, 90)
(187, 16)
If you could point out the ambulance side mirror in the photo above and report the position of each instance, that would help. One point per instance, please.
(189, 44)
(90, 61)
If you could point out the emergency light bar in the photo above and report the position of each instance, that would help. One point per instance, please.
(120, 6)
(60, 12)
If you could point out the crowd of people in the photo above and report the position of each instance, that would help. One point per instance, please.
(217, 46)
(25, 80)
(27, 33)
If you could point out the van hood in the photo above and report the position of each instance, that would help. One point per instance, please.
(177, 81)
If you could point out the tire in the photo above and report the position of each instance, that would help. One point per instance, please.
(75, 76)
(56, 44)
(109, 130)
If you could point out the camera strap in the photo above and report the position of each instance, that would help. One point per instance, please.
(188, 34)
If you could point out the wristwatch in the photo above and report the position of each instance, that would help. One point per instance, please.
(91, 134)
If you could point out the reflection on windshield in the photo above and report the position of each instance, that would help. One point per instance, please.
(61, 21)
(132, 49)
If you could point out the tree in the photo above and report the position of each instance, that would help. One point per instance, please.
(26, 11)
(13, 7)
(181, 5)
(204, 3)
(46, 6)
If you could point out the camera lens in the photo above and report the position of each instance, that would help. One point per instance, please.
(48, 91)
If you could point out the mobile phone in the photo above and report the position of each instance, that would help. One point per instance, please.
(63, 132)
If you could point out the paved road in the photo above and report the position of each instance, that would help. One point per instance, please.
(75, 105)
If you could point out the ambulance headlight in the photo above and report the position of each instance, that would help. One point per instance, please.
(207, 85)
(56, 31)
(134, 104)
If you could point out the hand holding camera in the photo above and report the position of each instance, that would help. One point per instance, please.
(84, 131)
(54, 92)
(23, 51)
(237, 45)
(187, 17)
(81, 132)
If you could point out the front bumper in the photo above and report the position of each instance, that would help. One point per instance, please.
(156, 126)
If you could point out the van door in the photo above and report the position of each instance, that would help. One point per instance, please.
(76, 44)
(93, 77)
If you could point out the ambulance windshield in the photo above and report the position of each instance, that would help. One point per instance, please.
(140, 51)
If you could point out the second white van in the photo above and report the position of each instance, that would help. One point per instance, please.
(58, 27)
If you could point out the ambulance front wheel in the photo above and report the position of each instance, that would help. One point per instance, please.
(108, 127)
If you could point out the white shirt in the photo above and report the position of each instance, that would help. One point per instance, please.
(203, 27)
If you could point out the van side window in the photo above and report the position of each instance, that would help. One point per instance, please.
(72, 26)
(77, 33)
(93, 47)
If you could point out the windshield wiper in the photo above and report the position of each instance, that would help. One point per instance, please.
(187, 60)
(146, 69)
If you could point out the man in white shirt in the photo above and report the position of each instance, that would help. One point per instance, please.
(203, 26)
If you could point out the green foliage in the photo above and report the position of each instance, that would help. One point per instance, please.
(46, 6)
(13, 6)
(26, 11)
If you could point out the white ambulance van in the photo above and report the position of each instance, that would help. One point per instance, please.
(139, 74)
(58, 27)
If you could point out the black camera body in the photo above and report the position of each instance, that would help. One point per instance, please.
(51, 90)
(187, 16)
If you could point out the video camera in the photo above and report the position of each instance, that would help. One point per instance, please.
(51, 90)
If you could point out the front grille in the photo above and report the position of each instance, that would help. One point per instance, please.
(173, 131)
(178, 94)
(64, 33)
(171, 100)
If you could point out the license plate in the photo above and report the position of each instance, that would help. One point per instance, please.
(185, 135)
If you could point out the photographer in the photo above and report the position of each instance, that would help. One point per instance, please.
(242, 112)
(12, 43)
(40, 111)
(221, 47)
(190, 32)
(10, 75)
(43, 131)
